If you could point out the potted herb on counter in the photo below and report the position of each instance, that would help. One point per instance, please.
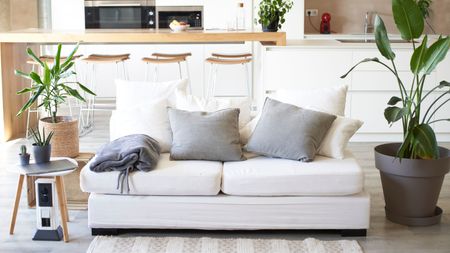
(24, 156)
(412, 172)
(271, 14)
(50, 90)
(41, 147)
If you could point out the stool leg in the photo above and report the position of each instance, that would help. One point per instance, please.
(213, 88)
(247, 81)
(155, 77)
(207, 87)
(188, 77)
(125, 71)
(146, 72)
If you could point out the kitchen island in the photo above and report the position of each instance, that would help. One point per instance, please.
(13, 56)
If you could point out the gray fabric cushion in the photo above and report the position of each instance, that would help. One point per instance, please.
(210, 136)
(290, 132)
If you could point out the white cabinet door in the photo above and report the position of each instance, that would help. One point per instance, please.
(230, 78)
(443, 113)
(402, 59)
(305, 68)
(386, 81)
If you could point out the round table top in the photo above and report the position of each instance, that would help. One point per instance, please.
(17, 168)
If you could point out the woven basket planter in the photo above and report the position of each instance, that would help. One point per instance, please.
(65, 141)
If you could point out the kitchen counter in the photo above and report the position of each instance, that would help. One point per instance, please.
(133, 36)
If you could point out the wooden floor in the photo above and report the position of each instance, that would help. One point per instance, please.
(383, 236)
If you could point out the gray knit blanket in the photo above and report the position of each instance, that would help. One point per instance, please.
(127, 154)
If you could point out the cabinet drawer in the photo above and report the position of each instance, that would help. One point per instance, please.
(290, 69)
(402, 59)
(386, 81)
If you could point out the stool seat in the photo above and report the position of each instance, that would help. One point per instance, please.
(163, 60)
(98, 58)
(184, 55)
(50, 59)
(214, 60)
(231, 55)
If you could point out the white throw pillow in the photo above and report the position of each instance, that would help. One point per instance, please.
(194, 103)
(132, 94)
(335, 141)
(152, 120)
(330, 100)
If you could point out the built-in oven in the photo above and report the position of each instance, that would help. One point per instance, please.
(192, 15)
(111, 14)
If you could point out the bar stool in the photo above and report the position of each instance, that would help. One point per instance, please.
(49, 59)
(160, 58)
(227, 59)
(86, 122)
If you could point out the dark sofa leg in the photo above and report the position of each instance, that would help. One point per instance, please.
(353, 232)
(105, 231)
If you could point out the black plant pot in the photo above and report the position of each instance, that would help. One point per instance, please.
(24, 159)
(411, 187)
(272, 27)
(42, 153)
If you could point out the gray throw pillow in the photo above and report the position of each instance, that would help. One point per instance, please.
(290, 132)
(212, 136)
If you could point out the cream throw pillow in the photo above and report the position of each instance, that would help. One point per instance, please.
(338, 136)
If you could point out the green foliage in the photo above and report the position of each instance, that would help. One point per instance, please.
(41, 139)
(23, 150)
(419, 138)
(51, 87)
(424, 6)
(273, 11)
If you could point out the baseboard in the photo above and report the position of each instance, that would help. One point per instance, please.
(354, 232)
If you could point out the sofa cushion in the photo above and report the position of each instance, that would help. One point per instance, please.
(262, 176)
(169, 178)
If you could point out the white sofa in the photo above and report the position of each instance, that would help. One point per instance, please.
(259, 193)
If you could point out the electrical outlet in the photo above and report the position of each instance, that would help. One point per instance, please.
(312, 12)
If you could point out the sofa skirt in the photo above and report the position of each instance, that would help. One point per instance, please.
(225, 212)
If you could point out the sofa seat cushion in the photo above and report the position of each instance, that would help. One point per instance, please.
(263, 176)
(169, 178)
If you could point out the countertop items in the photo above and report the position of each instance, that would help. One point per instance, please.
(132, 36)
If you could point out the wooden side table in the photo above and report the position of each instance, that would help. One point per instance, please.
(60, 190)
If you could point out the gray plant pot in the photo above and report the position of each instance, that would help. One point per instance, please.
(24, 159)
(411, 187)
(42, 153)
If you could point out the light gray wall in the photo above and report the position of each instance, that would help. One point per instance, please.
(4, 15)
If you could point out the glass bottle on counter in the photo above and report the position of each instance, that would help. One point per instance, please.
(240, 17)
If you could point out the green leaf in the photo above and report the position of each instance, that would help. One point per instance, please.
(424, 143)
(36, 78)
(34, 57)
(435, 54)
(394, 100)
(31, 100)
(25, 90)
(70, 57)
(408, 18)
(22, 74)
(356, 65)
(382, 40)
(56, 65)
(393, 114)
(47, 74)
(418, 56)
(85, 89)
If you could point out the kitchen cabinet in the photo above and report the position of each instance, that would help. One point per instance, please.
(316, 65)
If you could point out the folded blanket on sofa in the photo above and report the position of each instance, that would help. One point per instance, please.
(127, 154)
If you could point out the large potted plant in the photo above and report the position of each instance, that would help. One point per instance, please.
(50, 90)
(271, 14)
(412, 172)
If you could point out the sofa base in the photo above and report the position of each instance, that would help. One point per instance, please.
(113, 231)
(224, 212)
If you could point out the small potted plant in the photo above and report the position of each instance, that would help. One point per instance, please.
(412, 172)
(24, 156)
(41, 147)
(271, 14)
(50, 90)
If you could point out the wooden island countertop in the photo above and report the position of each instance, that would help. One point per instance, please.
(133, 36)
(13, 56)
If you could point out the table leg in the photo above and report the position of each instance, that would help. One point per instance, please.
(16, 204)
(62, 207)
(63, 185)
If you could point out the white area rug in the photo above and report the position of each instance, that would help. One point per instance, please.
(106, 244)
